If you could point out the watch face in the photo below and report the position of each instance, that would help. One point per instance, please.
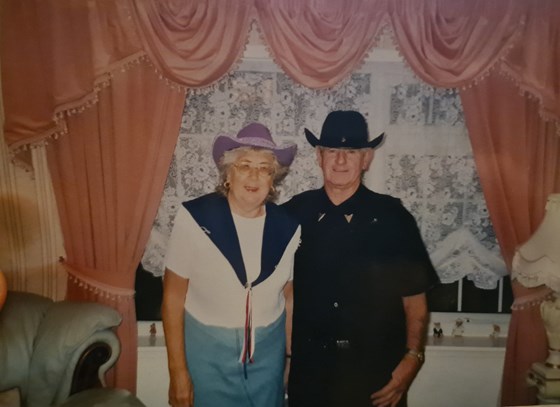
(416, 354)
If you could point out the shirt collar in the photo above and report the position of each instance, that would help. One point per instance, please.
(348, 206)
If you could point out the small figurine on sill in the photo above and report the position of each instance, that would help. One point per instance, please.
(437, 330)
(495, 331)
(458, 329)
(153, 332)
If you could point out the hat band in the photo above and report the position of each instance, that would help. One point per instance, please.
(339, 144)
(257, 142)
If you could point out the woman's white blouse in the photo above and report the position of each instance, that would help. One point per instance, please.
(215, 295)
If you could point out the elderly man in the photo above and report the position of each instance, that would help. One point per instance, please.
(360, 277)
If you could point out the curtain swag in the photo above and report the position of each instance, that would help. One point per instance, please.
(452, 43)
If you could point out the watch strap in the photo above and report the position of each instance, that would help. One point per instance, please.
(418, 355)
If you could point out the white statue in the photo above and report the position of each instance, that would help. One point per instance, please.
(550, 311)
(537, 264)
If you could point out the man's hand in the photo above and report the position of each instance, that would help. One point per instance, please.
(181, 392)
(402, 378)
(416, 311)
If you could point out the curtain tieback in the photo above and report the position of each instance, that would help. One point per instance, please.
(78, 276)
(533, 299)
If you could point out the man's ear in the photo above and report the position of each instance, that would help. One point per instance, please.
(319, 156)
(368, 158)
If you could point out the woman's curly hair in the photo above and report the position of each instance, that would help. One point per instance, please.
(230, 157)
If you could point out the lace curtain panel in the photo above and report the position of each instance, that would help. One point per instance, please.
(426, 161)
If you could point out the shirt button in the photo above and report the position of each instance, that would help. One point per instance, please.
(335, 304)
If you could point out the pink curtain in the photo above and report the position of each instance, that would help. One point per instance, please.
(320, 43)
(454, 43)
(55, 55)
(108, 78)
(533, 64)
(194, 43)
(464, 44)
(517, 155)
(518, 160)
(108, 174)
(446, 43)
(75, 71)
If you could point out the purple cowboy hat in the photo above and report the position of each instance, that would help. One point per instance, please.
(253, 135)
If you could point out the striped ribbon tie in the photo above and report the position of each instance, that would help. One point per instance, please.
(249, 332)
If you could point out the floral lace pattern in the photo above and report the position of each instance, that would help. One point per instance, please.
(424, 105)
(426, 159)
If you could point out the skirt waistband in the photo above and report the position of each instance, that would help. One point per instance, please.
(230, 335)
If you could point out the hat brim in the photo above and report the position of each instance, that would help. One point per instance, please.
(316, 142)
(284, 154)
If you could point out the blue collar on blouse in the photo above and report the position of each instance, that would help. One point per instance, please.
(212, 213)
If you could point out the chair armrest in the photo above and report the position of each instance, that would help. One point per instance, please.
(107, 397)
(87, 374)
(68, 329)
(20, 320)
(89, 363)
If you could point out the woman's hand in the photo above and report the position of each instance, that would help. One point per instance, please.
(287, 372)
(175, 289)
(181, 392)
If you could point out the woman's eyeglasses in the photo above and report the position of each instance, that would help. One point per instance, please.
(262, 170)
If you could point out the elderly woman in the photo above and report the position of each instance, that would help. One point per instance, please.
(227, 282)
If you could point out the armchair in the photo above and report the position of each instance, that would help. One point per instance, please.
(52, 350)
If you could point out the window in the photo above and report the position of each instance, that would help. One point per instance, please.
(426, 161)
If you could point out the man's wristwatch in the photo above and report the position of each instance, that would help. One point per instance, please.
(418, 355)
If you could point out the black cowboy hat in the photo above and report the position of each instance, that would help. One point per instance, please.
(344, 129)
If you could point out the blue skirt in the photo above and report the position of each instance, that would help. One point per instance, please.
(219, 379)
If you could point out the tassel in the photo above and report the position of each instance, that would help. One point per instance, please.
(249, 332)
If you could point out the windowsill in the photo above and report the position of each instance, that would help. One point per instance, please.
(476, 336)
(474, 324)
(146, 341)
(466, 342)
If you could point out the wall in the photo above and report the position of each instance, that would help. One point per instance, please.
(460, 375)
(30, 237)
